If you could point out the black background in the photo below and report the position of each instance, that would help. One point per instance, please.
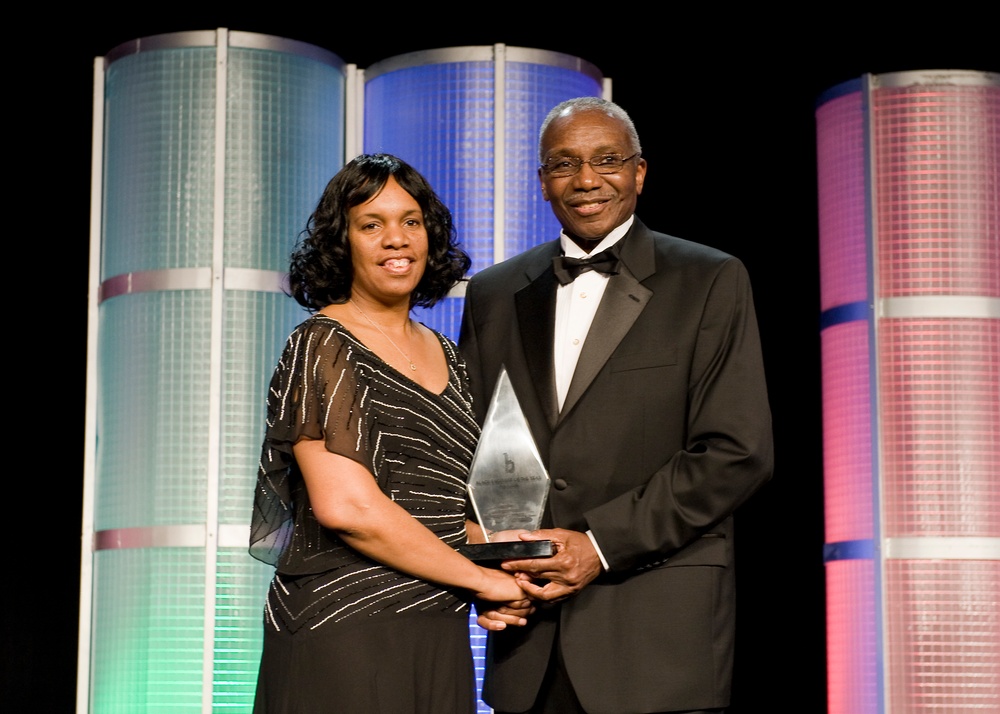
(724, 103)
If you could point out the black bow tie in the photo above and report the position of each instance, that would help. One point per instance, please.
(567, 269)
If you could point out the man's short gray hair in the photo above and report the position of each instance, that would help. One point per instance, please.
(590, 104)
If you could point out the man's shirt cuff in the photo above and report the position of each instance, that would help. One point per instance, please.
(600, 555)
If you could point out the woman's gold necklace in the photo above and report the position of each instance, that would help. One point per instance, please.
(376, 326)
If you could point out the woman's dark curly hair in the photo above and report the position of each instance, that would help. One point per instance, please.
(321, 273)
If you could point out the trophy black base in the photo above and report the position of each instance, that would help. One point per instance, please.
(494, 553)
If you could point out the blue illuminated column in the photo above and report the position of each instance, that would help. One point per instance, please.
(909, 207)
(468, 118)
(210, 150)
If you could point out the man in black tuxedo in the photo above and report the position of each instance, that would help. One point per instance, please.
(642, 381)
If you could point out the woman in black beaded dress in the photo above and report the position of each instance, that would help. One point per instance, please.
(361, 492)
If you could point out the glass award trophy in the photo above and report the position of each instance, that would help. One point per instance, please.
(508, 484)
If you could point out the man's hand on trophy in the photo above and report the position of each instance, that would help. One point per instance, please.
(574, 564)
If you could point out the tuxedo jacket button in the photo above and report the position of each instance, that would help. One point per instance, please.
(560, 484)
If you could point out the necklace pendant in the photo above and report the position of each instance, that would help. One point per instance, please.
(374, 324)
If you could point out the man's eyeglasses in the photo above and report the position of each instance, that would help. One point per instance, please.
(563, 166)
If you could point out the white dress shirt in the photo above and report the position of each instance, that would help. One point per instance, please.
(576, 305)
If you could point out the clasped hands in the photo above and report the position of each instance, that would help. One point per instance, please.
(573, 564)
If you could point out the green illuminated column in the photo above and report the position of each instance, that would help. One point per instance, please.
(211, 149)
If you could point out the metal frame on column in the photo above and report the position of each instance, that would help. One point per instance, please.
(909, 197)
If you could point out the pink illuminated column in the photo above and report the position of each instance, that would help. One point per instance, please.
(909, 207)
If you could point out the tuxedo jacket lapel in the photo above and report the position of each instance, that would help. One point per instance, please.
(622, 303)
(536, 317)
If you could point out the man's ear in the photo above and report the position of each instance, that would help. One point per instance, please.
(640, 175)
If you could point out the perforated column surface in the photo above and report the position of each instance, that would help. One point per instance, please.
(438, 110)
(936, 157)
(183, 365)
(909, 199)
(852, 664)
